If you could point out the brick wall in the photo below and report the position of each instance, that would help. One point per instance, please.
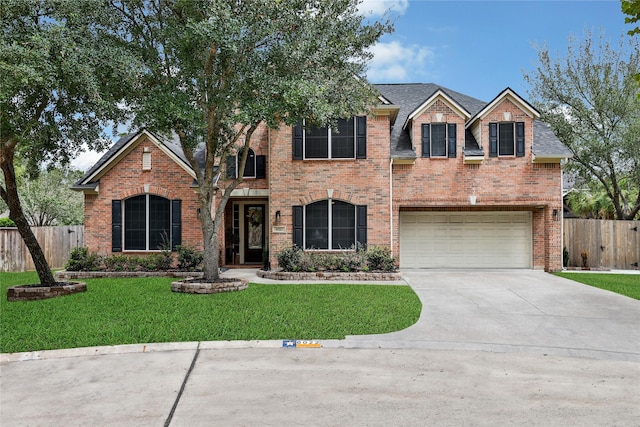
(498, 183)
(126, 179)
(357, 181)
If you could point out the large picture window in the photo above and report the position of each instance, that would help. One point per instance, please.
(330, 224)
(147, 223)
(347, 140)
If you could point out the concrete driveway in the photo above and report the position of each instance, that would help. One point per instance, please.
(490, 349)
(516, 311)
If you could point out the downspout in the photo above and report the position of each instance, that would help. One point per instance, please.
(391, 205)
(561, 215)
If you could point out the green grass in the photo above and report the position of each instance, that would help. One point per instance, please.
(624, 284)
(144, 310)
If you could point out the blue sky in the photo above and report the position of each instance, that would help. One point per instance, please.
(475, 47)
(480, 47)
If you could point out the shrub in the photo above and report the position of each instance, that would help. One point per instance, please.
(83, 260)
(7, 222)
(379, 259)
(156, 262)
(189, 259)
(289, 258)
(116, 263)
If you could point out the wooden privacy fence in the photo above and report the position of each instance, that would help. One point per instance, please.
(56, 243)
(607, 243)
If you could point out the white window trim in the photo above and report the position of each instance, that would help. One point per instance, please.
(330, 228)
(446, 140)
(513, 125)
(329, 135)
(146, 225)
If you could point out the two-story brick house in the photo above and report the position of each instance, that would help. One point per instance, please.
(445, 180)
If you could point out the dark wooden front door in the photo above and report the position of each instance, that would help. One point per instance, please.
(253, 233)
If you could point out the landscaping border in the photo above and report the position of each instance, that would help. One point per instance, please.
(71, 275)
(331, 275)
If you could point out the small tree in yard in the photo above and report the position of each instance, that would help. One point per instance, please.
(216, 69)
(61, 78)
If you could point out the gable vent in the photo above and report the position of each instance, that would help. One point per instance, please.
(146, 161)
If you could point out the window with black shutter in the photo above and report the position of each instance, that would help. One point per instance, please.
(347, 140)
(506, 139)
(146, 223)
(332, 225)
(439, 140)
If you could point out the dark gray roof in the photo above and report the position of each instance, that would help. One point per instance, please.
(409, 97)
(546, 143)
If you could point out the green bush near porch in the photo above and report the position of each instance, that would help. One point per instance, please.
(144, 310)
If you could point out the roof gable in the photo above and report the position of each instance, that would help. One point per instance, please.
(123, 147)
(439, 94)
(512, 96)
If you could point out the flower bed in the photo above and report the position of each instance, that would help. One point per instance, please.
(331, 275)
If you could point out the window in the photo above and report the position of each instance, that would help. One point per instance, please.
(346, 141)
(506, 139)
(255, 167)
(330, 224)
(146, 223)
(439, 140)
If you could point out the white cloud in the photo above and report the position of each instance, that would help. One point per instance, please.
(394, 63)
(379, 7)
(86, 159)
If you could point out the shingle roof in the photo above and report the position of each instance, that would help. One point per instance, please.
(410, 96)
(546, 143)
(173, 144)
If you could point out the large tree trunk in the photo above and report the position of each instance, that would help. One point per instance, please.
(10, 196)
(210, 237)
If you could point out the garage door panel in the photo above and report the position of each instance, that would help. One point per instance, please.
(465, 240)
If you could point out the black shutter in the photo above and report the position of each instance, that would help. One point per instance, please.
(176, 223)
(452, 139)
(231, 167)
(116, 226)
(297, 141)
(425, 141)
(261, 167)
(493, 140)
(361, 226)
(361, 137)
(297, 226)
(520, 139)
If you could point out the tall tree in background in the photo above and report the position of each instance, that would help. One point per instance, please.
(216, 69)
(632, 9)
(591, 100)
(61, 78)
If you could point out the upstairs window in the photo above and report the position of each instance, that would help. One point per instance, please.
(506, 139)
(346, 141)
(255, 167)
(439, 140)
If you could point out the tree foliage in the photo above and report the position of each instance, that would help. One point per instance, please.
(591, 100)
(214, 70)
(62, 76)
(632, 9)
(48, 200)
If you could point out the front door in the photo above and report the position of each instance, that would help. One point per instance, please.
(253, 233)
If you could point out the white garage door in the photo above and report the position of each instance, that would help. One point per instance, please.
(465, 240)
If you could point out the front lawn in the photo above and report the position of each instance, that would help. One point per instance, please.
(624, 284)
(144, 310)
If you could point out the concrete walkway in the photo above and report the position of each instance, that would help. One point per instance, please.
(490, 348)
